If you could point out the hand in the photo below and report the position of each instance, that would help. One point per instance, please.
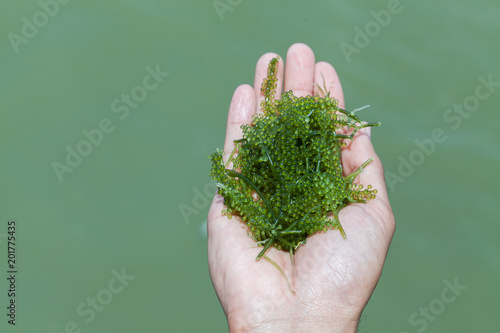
(333, 277)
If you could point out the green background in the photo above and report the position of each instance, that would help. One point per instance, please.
(120, 207)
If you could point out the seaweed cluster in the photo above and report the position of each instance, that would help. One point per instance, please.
(286, 180)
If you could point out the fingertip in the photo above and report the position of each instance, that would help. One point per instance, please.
(243, 91)
(261, 69)
(300, 48)
(325, 71)
(266, 57)
(299, 70)
(242, 105)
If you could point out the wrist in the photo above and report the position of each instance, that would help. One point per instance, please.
(310, 325)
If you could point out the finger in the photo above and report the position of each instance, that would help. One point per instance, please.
(358, 152)
(326, 77)
(299, 70)
(261, 74)
(360, 149)
(241, 110)
(328, 80)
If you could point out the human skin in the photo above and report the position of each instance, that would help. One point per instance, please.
(333, 277)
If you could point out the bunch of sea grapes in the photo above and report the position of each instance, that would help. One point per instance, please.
(287, 180)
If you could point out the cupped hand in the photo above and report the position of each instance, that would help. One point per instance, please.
(333, 277)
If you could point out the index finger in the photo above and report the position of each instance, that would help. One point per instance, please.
(241, 110)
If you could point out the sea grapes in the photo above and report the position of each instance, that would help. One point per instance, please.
(287, 181)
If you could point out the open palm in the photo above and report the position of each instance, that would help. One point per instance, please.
(333, 277)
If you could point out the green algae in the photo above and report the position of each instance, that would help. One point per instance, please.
(287, 181)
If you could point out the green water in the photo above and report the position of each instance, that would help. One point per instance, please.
(120, 206)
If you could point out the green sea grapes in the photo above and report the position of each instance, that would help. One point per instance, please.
(287, 180)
